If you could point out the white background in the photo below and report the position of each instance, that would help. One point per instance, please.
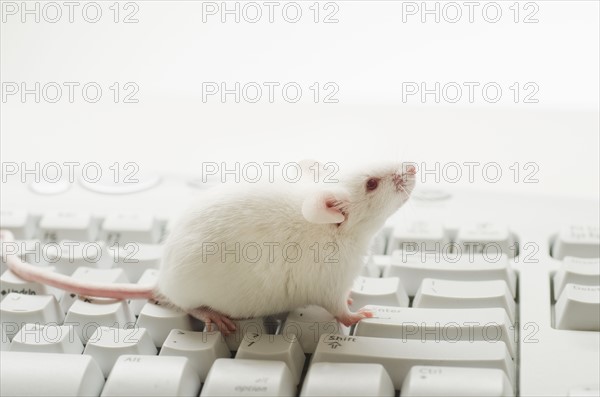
(367, 54)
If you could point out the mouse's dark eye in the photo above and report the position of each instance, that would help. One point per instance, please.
(372, 184)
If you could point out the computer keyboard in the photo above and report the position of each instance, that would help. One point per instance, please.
(477, 293)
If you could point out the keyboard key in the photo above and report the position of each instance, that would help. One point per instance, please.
(418, 236)
(87, 314)
(151, 376)
(132, 180)
(413, 269)
(160, 320)
(309, 323)
(128, 228)
(490, 324)
(436, 381)
(149, 277)
(342, 379)
(582, 271)
(582, 241)
(107, 344)
(244, 328)
(201, 348)
(50, 338)
(274, 347)
(67, 225)
(108, 276)
(10, 282)
(386, 291)
(398, 356)
(370, 269)
(68, 255)
(19, 222)
(379, 243)
(16, 310)
(578, 308)
(238, 377)
(30, 251)
(585, 392)
(486, 237)
(49, 374)
(444, 294)
(136, 258)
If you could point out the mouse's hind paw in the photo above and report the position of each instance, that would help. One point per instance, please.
(213, 318)
(350, 318)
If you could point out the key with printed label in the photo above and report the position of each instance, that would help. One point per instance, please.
(87, 314)
(160, 320)
(106, 345)
(243, 328)
(486, 237)
(343, 379)
(49, 374)
(578, 308)
(67, 225)
(582, 241)
(228, 377)
(412, 269)
(309, 323)
(149, 277)
(130, 228)
(109, 276)
(151, 376)
(11, 283)
(418, 236)
(50, 338)
(440, 294)
(398, 356)
(274, 347)
(377, 291)
(16, 310)
(201, 348)
(434, 381)
(490, 324)
(582, 271)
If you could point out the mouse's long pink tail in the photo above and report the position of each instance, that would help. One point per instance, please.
(35, 274)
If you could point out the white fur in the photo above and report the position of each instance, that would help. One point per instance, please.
(270, 215)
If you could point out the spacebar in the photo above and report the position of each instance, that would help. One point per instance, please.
(398, 356)
(49, 374)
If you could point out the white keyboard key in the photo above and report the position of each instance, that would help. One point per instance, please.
(128, 228)
(398, 356)
(49, 374)
(67, 225)
(201, 348)
(151, 376)
(50, 338)
(593, 391)
(370, 269)
(486, 237)
(412, 269)
(490, 324)
(10, 282)
(386, 291)
(582, 241)
(582, 271)
(343, 379)
(242, 329)
(30, 251)
(149, 277)
(578, 308)
(445, 294)
(87, 314)
(418, 236)
(274, 347)
(159, 321)
(108, 276)
(107, 344)
(16, 310)
(136, 258)
(433, 381)
(229, 377)
(19, 222)
(309, 323)
(68, 255)
(379, 243)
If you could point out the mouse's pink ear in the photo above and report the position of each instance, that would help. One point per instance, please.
(326, 206)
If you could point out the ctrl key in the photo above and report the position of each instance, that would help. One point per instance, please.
(49, 374)
(134, 375)
(432, 381)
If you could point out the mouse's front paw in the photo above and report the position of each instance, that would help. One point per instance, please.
(349, 318)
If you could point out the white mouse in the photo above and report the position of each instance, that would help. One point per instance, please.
(250, 250)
